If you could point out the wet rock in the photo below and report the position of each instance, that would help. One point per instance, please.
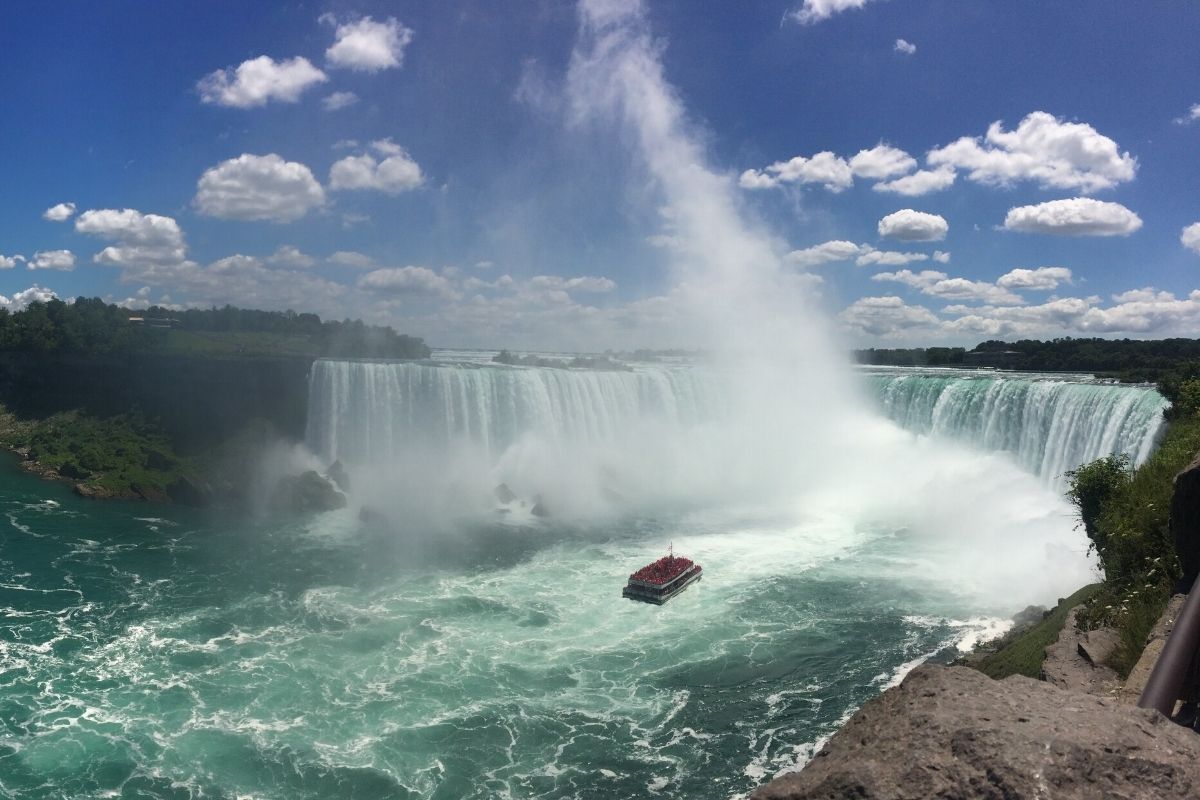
(159, 461)
(337, 473)
(150, 493)
(953, 733)
(539, 507)
(93, 491)
(306, 493)
(504, 494)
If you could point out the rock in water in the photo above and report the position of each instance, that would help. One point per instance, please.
(337, 473)
(306, 493)
(188, 492)
(504, 494)
(954, 733)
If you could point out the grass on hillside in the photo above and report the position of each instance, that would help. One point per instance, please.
(1025, 654)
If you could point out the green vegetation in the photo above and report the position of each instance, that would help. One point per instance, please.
(1024, 654)
(1126, 514)
(578, 362)
(1129, 360)
(92, 327)
(122, 456)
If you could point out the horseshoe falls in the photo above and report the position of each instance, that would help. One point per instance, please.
(1050, 424)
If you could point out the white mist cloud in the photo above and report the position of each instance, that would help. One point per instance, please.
(351, 258)
(257, 81)
(406, 281)
(913, 226)
(365, 45)
(1044, 149)
(1078, 216)
(252, 187)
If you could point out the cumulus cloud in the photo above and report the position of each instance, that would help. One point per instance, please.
(824, 168)
(258, 81)
(913, 226)
(365, 45)
(61, 260)
(59, 213)
(396, 173)
(835, 250)
(290, 257)
(139, 238)
(338, 100)
(941, 256)
(887, 258)
(817, 10)
(406, 281)
(34, 294)
(1078, 216)
(886, 316)
(1190, 237)
(8, 262)
(350, 258)
(881, 162)
(585, 283)
(1192, 115)
(908, 48)
(919, 183)
(1040, 279)
(253, 187)
(939, 284)
(1053, 153)
(1144, 312)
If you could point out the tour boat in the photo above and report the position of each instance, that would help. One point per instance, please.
(659, 581)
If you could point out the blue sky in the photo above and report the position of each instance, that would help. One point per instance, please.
(417, 164)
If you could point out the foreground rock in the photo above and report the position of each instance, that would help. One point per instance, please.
(1135, 684)
(1185, 521)
(952, 732)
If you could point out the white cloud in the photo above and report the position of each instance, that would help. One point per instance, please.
(1192, 115)
(61, 260)
(585, 283)
(1042, 148)
(290, 257)
(338, 100)
(140, 238)
(818, 10)
(60, 212)
(919, 183)
(396, 173)
(1040, 279)
(913, 226)
(350, 258)
(824, 168)
(253, 187)
(881, 161)
(887, 258)
(1190, 237)
(8, 262)
(485, 264)
(886, 316)
(258, 81)
(908, 48)
(1144, 312)
(34, 294)
(939, 284)
(1078, 216)
(406, 281)
(941, 256)
(369, 46)
(835, 250)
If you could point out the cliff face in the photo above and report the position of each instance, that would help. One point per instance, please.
(1185, 521)
(199, 400)
(952, 732)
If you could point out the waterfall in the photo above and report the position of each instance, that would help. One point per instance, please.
(374, 412)
(1050, 424)
(371, 412)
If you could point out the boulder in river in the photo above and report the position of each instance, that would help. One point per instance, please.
(306, 493)
(504, 494)
(188, 492)
(337, 473)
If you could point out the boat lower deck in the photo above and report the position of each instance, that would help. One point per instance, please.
(657, 597)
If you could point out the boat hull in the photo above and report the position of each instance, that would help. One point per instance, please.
(647, 595)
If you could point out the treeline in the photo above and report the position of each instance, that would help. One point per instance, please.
(91, 326)
(1131, 360)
